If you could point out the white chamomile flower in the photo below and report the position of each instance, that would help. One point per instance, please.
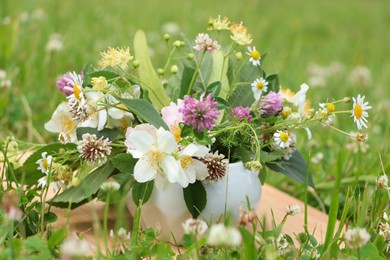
(282, 139)
(76, 99)
(359, 111)
(254, 56)
(44, 163)
(258, 87)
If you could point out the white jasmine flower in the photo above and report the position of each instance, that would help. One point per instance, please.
(282, 139)
(356, 237)
(359, 111)
(155, 155)
(258, 87)
(298, 99)
(192, 169)
(45, 163)
(293, 210)
(220, 235)
(194, 226)
(61, 122)
(254, 56)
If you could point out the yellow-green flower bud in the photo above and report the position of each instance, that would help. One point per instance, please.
(160, 71)
(177, 44)
(166, 37)
(75, 181)
(136, 63)
(190, 56)
(174, 69)
(239, 55)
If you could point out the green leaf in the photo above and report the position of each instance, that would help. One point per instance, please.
(109, 133)
(186, 130)
(270, 157)
(124, 162)
(36, 248)
(295, 168)
(195, 198)
(50, 217)
(219, 72)
(28, 173)
(88, 187)
(87, 77)
(369, 252)
(141, 192)
(187, 75)
(222, 103)
(56, 238)
(145, 111)
(149, 79)
(188, 240)
(105, 73)
(248, 244)
(214, 88)
(242, 96)
(273, 82)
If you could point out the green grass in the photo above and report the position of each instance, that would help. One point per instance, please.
(293, 33)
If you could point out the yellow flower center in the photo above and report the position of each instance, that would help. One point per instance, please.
(285, 113)
(45, 164)
(155, 156)
(67, 124)
(330, 107)
(358, 111)
(176, 131)
(284, 137)
(186, 161)
(77, 92)
(287, 92)
(260, 85)
(255, 55)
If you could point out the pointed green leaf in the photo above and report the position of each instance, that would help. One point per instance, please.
(124, 162)
(219, 72)
(111, 134)
(273, 81)
(88, 187)
(145, 111)
(141, 192)
(295, 168)
(186, 77)
(195, 198)
(148, 76)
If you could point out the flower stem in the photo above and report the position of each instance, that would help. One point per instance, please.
(196, 73)
(105, 220)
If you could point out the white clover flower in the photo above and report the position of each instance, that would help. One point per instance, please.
(282, 139)
(254, 56)
(359, 111)
(194, 226)
(360, 76)
(110, 186)
(356, 237)
(293, 210)
(75, 247)
(94, 150)
(382, 182)
(45, 163)
(220, 235)
(258, 87)
(205, 43)
(281, 242)
(55, 43)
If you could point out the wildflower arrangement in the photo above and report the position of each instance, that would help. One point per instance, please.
(212, 103)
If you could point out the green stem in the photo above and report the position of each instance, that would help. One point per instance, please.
(196, 73)
(136, 226)
(105, 220)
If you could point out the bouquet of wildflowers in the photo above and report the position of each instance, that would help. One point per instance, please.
(211, 104)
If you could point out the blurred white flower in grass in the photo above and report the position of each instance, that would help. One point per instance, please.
(293, 210)
(382, 182)
(38, 14)
(356, 237)
(24, 17)
(355, 146)
(76, 248)
(319, 75)
(220, 235)
(7, 21)
(55, 43)
(317, 158)
(122, 239)
(170, 28)
(194, 226)
(359, 111)
(360, 76)
(4, 81)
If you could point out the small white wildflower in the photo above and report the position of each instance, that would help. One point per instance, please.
(359, 111)
(220, 235)
(44, 163)
(281, 242)
(254, 56)
(317, 158)
(194, 226)
(382, 182)
(55, 43)
(282, 139)
(293, 210)
(356, 237)
(258, 87)
(360, 76)
(385, 217)
(122, 237)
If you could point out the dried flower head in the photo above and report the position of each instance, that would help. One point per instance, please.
(254, 166)
(217, 166)
(220, 235)
(200, 114)
(382, 182)
(361, 138)
(240, 34)
(246, 216)
(115, 57)
(218, 24)
(94, 150)
(293, 210)
(194, 226)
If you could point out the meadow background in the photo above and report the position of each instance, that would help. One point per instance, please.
(306, 41)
